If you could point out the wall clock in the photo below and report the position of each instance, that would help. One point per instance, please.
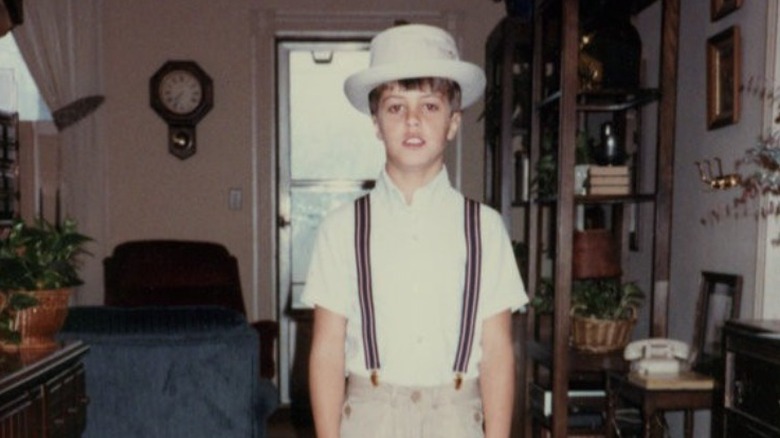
(182, 94)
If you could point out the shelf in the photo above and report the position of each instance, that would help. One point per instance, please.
(579, 361)
(607, 100)
(599, 199)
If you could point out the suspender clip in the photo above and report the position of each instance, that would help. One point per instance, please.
(458, 381)
(375, 378)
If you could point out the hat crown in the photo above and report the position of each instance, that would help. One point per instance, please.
(412, 42)
(414, 51)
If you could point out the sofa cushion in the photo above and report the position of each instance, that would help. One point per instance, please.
(174, 371)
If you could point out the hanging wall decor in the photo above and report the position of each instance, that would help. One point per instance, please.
(721, 8)
(723, 78)
(182, 94)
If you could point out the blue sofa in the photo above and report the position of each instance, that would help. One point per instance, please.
(182, 371)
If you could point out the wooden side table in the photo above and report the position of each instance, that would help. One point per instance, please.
(687, 392)
(43, 393)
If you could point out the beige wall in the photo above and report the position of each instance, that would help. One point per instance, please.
(151, 194)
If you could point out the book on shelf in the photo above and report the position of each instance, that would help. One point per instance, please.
(609, 180)
(541, 399)
(624, 189)
(607, 170)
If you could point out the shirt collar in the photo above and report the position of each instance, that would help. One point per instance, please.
(425, 196)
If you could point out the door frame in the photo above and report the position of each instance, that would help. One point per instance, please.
(766, 302)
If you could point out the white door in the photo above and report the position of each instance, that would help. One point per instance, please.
(328, 154)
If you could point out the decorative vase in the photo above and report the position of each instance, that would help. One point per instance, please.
(611, 47)
(519, 8)
(610, 151)
(39, 325)
(594, 255)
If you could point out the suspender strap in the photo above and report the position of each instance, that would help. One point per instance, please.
(468, 316)
(363, 260)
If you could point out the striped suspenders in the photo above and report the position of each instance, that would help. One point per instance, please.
(363, 259)
(473, 270)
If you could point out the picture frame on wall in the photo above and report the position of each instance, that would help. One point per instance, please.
(723, 78)
(721, 8)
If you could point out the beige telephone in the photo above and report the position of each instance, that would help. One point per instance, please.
(657, 356)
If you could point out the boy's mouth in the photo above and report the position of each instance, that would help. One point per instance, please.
(414, 142)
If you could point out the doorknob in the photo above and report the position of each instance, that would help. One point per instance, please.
(283, 222)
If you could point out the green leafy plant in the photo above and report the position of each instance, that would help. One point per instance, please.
(545, 181)
(604, 298)
(37, 256)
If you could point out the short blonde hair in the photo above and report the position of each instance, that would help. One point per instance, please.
(448, 88)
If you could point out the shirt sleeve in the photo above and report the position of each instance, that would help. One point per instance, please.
(501, 286)
(327, 280)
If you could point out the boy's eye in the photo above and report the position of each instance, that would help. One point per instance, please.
(431, 107)
(394, 108)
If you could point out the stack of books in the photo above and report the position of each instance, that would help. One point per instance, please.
(609, 180)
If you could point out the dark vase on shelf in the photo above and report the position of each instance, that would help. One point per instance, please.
(611, 45)
(609, 152)
(519, 8)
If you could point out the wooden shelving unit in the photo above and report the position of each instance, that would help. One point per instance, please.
(546, 225)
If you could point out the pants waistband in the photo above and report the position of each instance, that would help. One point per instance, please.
(361, 386)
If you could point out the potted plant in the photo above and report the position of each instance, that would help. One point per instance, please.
(39, 264)
(545, 181)
(603, 311)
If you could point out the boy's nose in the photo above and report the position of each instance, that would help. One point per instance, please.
(412, 117)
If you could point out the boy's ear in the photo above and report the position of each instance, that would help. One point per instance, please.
(455, 120)
(377, 129)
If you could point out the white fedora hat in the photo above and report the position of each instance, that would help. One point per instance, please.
(414, 51)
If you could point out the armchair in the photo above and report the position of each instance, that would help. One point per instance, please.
(174, 341)
(144, 273)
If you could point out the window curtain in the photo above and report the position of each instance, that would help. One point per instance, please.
(59, 42)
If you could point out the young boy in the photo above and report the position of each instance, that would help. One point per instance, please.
(413, 286)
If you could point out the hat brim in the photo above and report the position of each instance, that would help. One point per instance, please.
(469, 77)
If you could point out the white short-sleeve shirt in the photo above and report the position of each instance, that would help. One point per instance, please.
(418, 255)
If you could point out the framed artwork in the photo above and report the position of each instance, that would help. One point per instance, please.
(721, 8)
(719, 300)
(723, 77)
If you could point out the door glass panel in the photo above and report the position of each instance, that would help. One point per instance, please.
(331, 139)
(309, 206)
(328, 155)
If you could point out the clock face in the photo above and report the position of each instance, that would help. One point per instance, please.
(180, 91)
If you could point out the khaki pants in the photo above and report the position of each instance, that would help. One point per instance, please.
(391, 411)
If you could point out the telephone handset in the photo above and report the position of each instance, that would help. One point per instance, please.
(657, 356)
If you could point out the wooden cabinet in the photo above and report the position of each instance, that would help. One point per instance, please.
(748, 391)
(43, 394)
(9, 167)
(544, 221)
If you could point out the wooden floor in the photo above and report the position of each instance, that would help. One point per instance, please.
(281, 425)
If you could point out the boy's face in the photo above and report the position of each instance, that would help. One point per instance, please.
(415, 127)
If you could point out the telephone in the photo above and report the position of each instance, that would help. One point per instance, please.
(657, 356)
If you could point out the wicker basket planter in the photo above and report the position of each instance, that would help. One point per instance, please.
(599, 335)
(39, 325)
